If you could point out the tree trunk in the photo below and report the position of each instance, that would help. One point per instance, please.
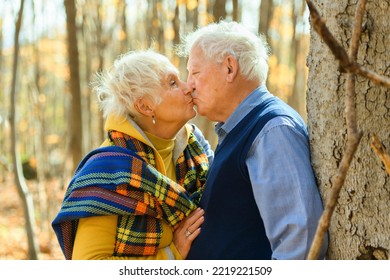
(101, 47)
(87, 50)
(181, 62)
(3, 142)
(265, 15)
(24, 193)
(153, 25)
(219, 10)
(76, 133)
(159, 16)
(123, 23)
(195, 21)
(235, 15)
(38, 119)
(360, 225)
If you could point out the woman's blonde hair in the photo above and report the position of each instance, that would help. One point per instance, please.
(133, 75)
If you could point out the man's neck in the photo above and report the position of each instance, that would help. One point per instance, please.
(236, 95)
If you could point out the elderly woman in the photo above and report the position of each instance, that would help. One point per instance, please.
(136, 196)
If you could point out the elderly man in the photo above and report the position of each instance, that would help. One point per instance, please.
(261, 200)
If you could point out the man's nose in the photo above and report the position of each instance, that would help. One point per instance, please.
(189, 77)
(190, 82)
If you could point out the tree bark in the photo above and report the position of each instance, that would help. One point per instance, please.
(360, 225)
(76, 133)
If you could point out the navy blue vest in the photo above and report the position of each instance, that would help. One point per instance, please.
(233, 228)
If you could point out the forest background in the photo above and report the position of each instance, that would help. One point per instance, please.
(51, 50)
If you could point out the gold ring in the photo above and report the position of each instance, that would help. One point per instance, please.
(188, 233)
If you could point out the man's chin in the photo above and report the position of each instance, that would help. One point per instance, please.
(198, 110)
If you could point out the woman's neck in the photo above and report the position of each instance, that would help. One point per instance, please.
(159, 129)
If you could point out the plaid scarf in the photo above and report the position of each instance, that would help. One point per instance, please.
(122, 180)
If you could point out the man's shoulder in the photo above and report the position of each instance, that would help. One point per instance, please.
(285, 124)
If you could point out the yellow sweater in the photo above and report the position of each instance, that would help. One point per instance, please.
(95, 237)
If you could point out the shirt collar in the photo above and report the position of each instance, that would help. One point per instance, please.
(250, 102)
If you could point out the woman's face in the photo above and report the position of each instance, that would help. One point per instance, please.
(176, 107)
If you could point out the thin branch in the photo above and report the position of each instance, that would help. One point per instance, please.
(346, 64)
(21, 185)
(380, 150)
(373, 76)
(357, 30)
(353, 135)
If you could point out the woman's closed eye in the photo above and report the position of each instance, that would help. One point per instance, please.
(172, 83)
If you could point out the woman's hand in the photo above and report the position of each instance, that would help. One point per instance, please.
(187, 231)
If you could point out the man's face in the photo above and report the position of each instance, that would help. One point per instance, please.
(207, 80)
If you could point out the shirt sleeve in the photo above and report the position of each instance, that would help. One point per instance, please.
(205, 144)
(285, 189)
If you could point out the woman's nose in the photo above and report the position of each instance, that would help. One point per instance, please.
(187, 89)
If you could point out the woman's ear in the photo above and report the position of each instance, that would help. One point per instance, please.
(231, 65)
(144, 106)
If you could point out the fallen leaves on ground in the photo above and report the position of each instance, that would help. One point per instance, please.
(13, 237)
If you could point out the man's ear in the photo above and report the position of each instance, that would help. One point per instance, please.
(231, 65)
(144, 106)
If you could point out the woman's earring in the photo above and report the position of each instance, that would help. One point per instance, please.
(153, 120)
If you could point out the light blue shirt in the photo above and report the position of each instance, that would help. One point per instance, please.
(282, 179)
(204, 143)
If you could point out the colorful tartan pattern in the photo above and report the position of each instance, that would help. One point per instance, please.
(141, 196)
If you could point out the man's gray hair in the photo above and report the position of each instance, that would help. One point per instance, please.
(133, 75)
(218, 40)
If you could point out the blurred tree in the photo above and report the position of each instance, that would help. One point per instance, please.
(236, 11)
(23, 190)
(38, 122)
(3, 147)
(298, 53)
(219, 10)
(123, 35)
(95, 42)
(152, 24)
(265, 16)
(75, 124)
